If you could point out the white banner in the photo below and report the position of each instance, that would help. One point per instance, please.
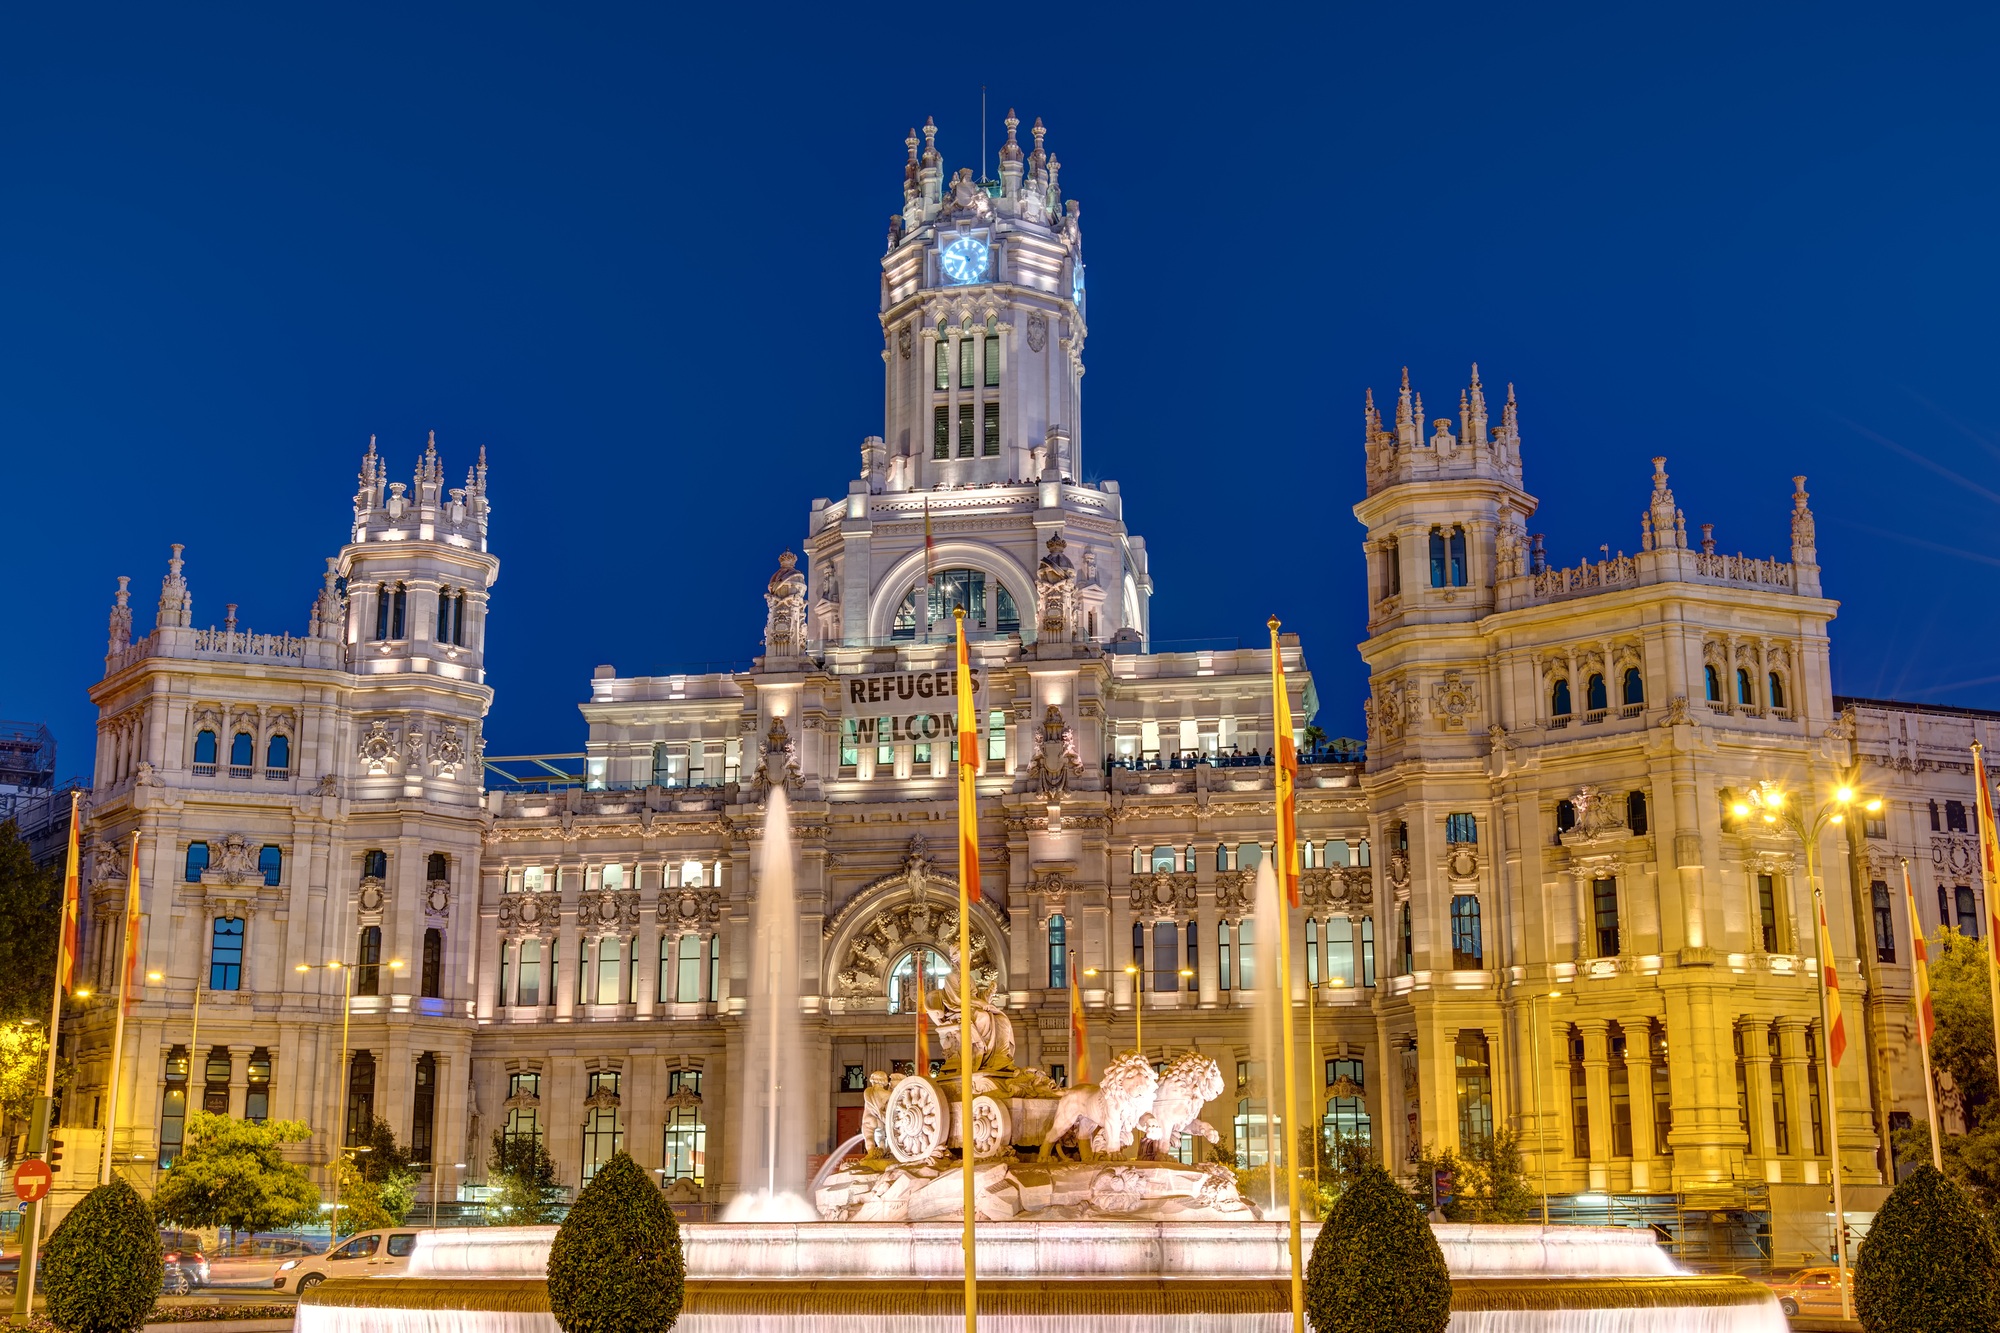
(894, 706)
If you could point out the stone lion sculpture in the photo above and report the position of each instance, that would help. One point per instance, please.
(1191, 1081)
(1110, 1108)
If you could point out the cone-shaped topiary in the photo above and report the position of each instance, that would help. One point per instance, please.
(1376, 1264)
(616, 1266)
(1930, 1263)
(102, 1268)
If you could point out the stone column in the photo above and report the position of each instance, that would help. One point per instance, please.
(239, 1079)
(1798, 1090)
(1597, 1083)
(1639, 1080)
(1763, 1117)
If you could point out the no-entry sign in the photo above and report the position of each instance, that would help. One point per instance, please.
(32, 1179)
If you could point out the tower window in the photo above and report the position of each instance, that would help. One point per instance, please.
(204, 749)
(458, 618)
(965, 380)
(437, 866)
(1634, 691)
(1058, 953)
(278, 755)
(1467, 952)
(1714, 680)
(940, 432)
(940, 364)
(423, 1108)
(992, 361)
(1438, 569)
(399, 612)
(1458, 566)
(1565, 816)
(375, 864)
(381, 610)
(1559, 699)
(225, 954)
(1594, 698)
(1777, 684)
(1461, 828)
(965, 430)
(444, 615)
(990, 446)
(1968, 913)
(1392, 568)
(1746, 694)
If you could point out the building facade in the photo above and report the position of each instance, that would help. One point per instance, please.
(1542, 804)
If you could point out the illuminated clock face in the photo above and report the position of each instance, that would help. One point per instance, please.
(964, 260)
(1076, 286)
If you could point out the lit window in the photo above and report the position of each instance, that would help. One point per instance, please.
(225, 954)
(1474, 1070)
(603, 1124)
(906, 988)
(1058, 953)
(1467, 950)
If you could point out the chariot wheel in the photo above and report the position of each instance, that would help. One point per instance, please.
(915, 1120)
(992, 1128)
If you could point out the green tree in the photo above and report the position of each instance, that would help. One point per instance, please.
(1930, 1263)
(616, 1266)
(377, 1185)
(1489, 1183)
(1376, 1265)
(521, 1178)
(103, 1269)
(30, 912)
(233, 1173)
(24, 1058)
(1962, 1049)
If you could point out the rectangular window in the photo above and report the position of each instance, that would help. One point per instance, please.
(940, 431)
(1340, 951)
(1742, 1086)
(885, 751)
(1579, 1104)
(1246, 955)
(1813, 1113)
(714, 967)
(940, 364)
(1367, 950)
(530, 978)
(1474, 1067)
(173, 1105)
(1222, 955)
(1767, 912)
(225, 954)
(1193, 960)
(1461, 828)
(996, 735)
(271, 864)
(850, 742)
(257, 1092)
(603, 1125)
(1166, 957)
(1058, 953)
(1781, 1119)
(1604, 909)
(992, 361)
(423, 1108)
(1885, 923)
(687, 985)
(1312, 950)
(965, 348)
(1467, 946)
(990, 445)
(965, 430)
(368, 962)
(1663, 1107)
(1620, 1078)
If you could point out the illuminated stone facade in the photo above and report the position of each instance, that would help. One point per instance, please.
(1549, 756)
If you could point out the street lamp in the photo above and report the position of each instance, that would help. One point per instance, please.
(1535, 1060)
(1768, 802)
(1138, 1006)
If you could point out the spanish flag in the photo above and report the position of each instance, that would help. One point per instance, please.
(1920, 969)
(968, 769)
(131, 955)
(1836, 1026)
(66, 950)
(1079, 1034)
(1989, 849)
(1288, 776)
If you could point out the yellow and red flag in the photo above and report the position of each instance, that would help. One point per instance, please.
(1920, 969)
(1079, 1034)
(1836, 1026)
(1288, 775)
(72, 877)
(1989, 848)
(968, 769)
(131, 954)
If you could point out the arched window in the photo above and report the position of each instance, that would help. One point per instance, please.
(989, 606)
(360, 1096)
(197, 861)
(368, 962)
(1222, 856)
(381, 610)
(685, 1150)
(1746, 695)
(204, 747)
(225, 954)
(1594, 699)
(1346, 1119)
(1635, 687)
(1467, 952)
(1559, 699)
(1458, 566)
(1885, 924)
(399, 612)
(1968, 913)
(1635, 811)
(173, 1105)
(1714, 679)
(242, 750)
(278, 755)
(1162, 858)
(1438, 569)
(271, 864)
(1058, 953)
(604, 1122)
(1777, 684)
(431, 977)
(444, 615)
(906, 987)
(1392, 568)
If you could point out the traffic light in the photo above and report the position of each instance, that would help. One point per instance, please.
(54, 1158)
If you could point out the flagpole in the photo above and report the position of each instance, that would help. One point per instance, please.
(1286, 850)
(1826, 965)
(125, 961)
(1069, 1072)
(1989, 876)
(968, 892)
(1921, 962)
(31, 1225)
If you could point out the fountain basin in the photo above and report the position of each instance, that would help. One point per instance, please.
(1037, 1277)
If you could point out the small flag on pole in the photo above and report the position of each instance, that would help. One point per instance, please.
(1920, 969)
(1288, 775)
(1836, 1026)
(72, 877)
(1989, 847)
(968, 769)
(1079, 1034)
(131, 954)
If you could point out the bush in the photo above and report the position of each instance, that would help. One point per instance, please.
(103, 1267)
(616, 1264)
(1930, 1263)
(1376, 1265)
(522, 1180)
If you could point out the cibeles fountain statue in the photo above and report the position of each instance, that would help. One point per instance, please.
(1039, 1151)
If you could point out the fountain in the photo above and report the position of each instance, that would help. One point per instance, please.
(1087, 1224)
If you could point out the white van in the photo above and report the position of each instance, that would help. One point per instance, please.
(384, 1253)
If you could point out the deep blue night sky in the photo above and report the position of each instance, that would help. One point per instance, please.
(635, 256)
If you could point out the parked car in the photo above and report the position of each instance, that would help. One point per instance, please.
(384, 1253)
(1811, 1291)
(254, 1260)
(186, 1263)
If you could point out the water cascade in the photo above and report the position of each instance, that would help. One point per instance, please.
(771, 1156)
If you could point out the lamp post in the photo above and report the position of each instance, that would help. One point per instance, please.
(339, 1120)
(1138, 1006)
(1535, 1061)
(1767, 800)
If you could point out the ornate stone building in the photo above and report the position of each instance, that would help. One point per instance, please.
(1541, 804)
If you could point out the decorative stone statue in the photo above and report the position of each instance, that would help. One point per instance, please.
(992, 1030)
(1105, 1114)
(1055, 763)
(1191, 1081)
(785, 603)
(1055, 589)
(875, 1114)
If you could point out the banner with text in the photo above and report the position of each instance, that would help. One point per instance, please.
(895, 706)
